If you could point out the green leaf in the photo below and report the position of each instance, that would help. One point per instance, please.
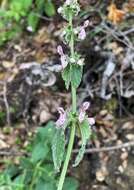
(46, 132)
(33, 21)
(85, 136)
(66, 75)
(58, 148)
(49, 8)
(70, 184)
(39, 152)
(26, 4)
(41, 185)
(76, 75)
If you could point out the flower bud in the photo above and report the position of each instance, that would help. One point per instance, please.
(85, 106)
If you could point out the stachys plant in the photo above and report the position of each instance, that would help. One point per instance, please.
(72, 68)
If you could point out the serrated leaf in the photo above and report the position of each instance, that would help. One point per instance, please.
(76, 75)
(85, 135)
(58, 148)
(66, 75)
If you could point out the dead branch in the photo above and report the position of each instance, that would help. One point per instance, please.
(6, 103)
(106, 149)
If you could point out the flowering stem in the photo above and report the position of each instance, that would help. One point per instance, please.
(72, 135)
(72, 55)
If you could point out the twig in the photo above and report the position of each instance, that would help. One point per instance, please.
(6, 103)
(12, 153)
(90, 150)
(105, 149)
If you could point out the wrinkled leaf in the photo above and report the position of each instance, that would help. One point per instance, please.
(72, 75)
(85, 135)
(76, 75)
(39, 152)
(58, 148)
(66, 75)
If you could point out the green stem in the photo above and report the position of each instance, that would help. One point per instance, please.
(69, 150)
(73, 99)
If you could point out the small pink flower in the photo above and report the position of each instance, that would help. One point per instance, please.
(64, 61)
(91, 121)
(63, 58)
(82, 113)
(82, 33)
(85, 106)
(60, 50)
(62, 118)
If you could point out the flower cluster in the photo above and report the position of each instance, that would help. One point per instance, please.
(62, 118)
(81, 31)
(65, 60)
(81, 117)
(70, 6)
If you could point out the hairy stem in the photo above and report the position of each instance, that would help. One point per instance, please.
(72, 135)
(69, 150)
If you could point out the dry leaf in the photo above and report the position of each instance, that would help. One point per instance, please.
(129, 7)
(115, 15)
(8, 64)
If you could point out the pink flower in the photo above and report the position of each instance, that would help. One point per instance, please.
(82, 32)
(63, 58)
(62, 118)
(82, 113)
(91, 121)
(60, 50)
(85, 106)
(81, 116)
(64, 61)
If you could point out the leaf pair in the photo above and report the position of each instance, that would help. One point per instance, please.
(72, 74)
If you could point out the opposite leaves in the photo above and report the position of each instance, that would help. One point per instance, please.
(72, 74)
(58, 148)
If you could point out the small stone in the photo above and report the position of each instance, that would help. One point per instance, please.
(121, 169)
(103, 113)
(124, 164)
(130, 136)
(124, 156)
